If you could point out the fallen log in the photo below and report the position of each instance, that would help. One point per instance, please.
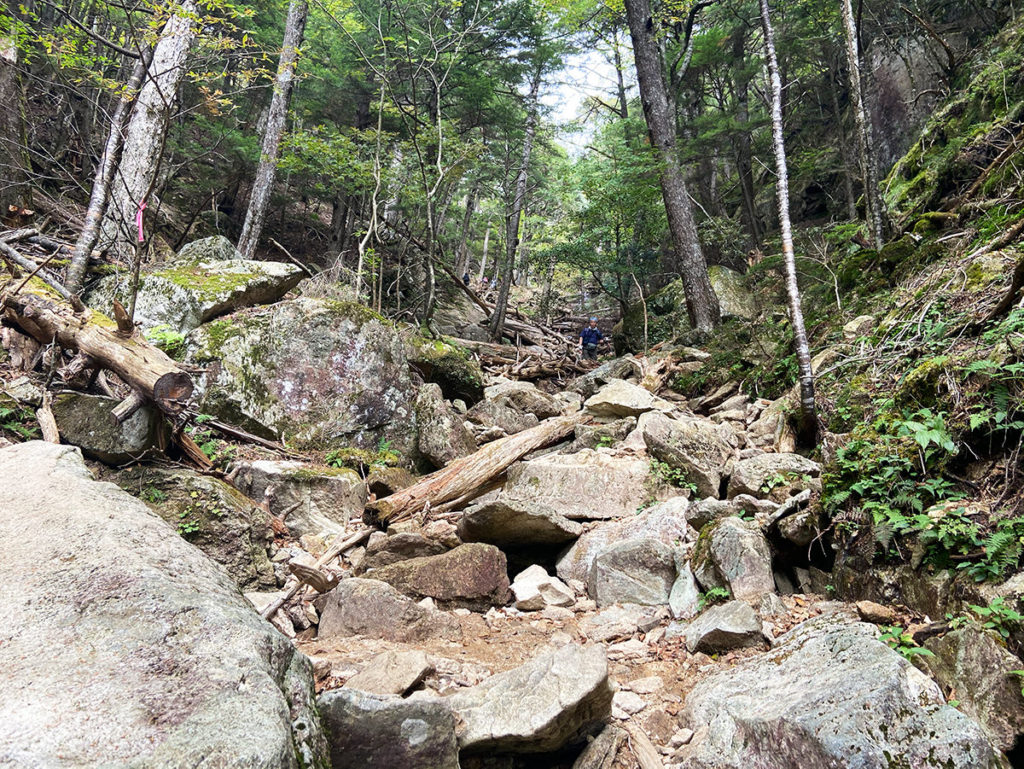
(43, 315)
(466, 478)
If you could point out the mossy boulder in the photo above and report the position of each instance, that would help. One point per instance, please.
(447, 365)
(318, 373)
(85, 421)
(210, 514)
(185, 293)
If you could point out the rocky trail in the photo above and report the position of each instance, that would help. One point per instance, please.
(613, 576)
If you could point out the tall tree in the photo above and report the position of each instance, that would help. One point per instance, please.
(701, 301)
(15, 187)
(808, 417)
(866, 156)
(104, 178)
(259, 200)
(135, 180)
(513, 214)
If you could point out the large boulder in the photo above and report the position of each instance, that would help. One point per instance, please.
(733, 625)
(215, 248)
(319, 373)
(472, 576)
(696, 447)
(526, 397)
(774, 476)
(400, 546)
(372, 731)
(516, 523)
(151, 655)
(665, 522)
(538, 707)
(560, 481)
(829, 695)
(312, 500)
(85, 421)
(734, 298)
(374, 609)
(502, 413)
(639, 571)
(618, 368)
(210, 514)
(975, 665)
(183, 294)
(619, 398)
(734, 554)
(443, 435)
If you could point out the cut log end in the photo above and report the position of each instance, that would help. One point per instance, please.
(172, 390)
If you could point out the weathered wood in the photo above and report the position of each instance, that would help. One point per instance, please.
(47, 423)
(140, 365)
(334, 551)
(461, 478)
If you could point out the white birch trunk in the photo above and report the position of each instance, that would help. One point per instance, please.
(808, 417)
(144, 136)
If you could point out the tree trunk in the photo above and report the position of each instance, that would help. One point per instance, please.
(497, 325)
(701, 302)
(462, 263)
(483, 256)
(259, 201)
(466, 476)
(135, 175)
(808, 431)
(868, 167)
(15, 188)
(103, 179)
(744, 162)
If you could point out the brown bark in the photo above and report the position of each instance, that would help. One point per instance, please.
(147, 370)
(701, 302)
(464, 476)
(808, 432)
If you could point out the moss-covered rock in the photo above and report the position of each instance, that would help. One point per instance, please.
(211, 515)
(447, 365)
(186, 293)
(85, 421)
(319, 373)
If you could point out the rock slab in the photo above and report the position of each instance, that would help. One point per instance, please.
(829, 695)
(152, 656)
(376, 610)
(538, 707)
(372, 731)
(472, 576)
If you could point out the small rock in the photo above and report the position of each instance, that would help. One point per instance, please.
(732, 625)
(647, 685)
(392, 673)
(534, 590)
(734, 554)
(859, 326)
(870, 611)
(684, 599)
(472, 576)
(558, 614)
(612, 623)
(682, 737)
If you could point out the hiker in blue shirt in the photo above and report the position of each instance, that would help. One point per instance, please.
(589, 338)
